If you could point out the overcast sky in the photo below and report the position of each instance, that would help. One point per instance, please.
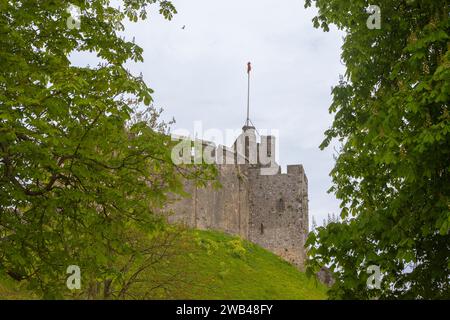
(199, 74)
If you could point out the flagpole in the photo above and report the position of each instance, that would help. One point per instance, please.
(248, 94)
(248, 100)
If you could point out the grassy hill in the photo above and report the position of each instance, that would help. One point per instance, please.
(225, 267)
(219, 266)
(11, 290)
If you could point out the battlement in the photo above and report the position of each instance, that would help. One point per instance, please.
(245, 150)
(295, 169)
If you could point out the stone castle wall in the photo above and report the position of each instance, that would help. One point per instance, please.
(225, 208)
(279, 213)
(269, 210)
(256, 201)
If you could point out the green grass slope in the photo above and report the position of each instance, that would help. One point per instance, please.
(227, 267)
(11, 290)
(214, 265)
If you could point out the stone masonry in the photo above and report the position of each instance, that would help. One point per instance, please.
(256, 201)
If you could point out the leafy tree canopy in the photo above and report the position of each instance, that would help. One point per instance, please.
(81, 171)
(392, 174)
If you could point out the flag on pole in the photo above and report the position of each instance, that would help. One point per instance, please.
(249, 67)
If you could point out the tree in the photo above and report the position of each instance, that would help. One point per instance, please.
(392, 173)
(78, 176)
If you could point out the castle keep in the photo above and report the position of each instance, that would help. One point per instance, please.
(256, 201)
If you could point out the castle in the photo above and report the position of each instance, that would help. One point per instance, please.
(256, 201)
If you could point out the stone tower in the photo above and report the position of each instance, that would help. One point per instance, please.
(256, 201)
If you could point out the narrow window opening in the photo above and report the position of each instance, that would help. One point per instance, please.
(269, 147)
(247, 147)
(280, 205)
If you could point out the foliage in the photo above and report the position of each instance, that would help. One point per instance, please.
(150, 271)
(203, 276)
(81, 171)
(237, 248)
(392, 173)
(209, 245)
(13, 290)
